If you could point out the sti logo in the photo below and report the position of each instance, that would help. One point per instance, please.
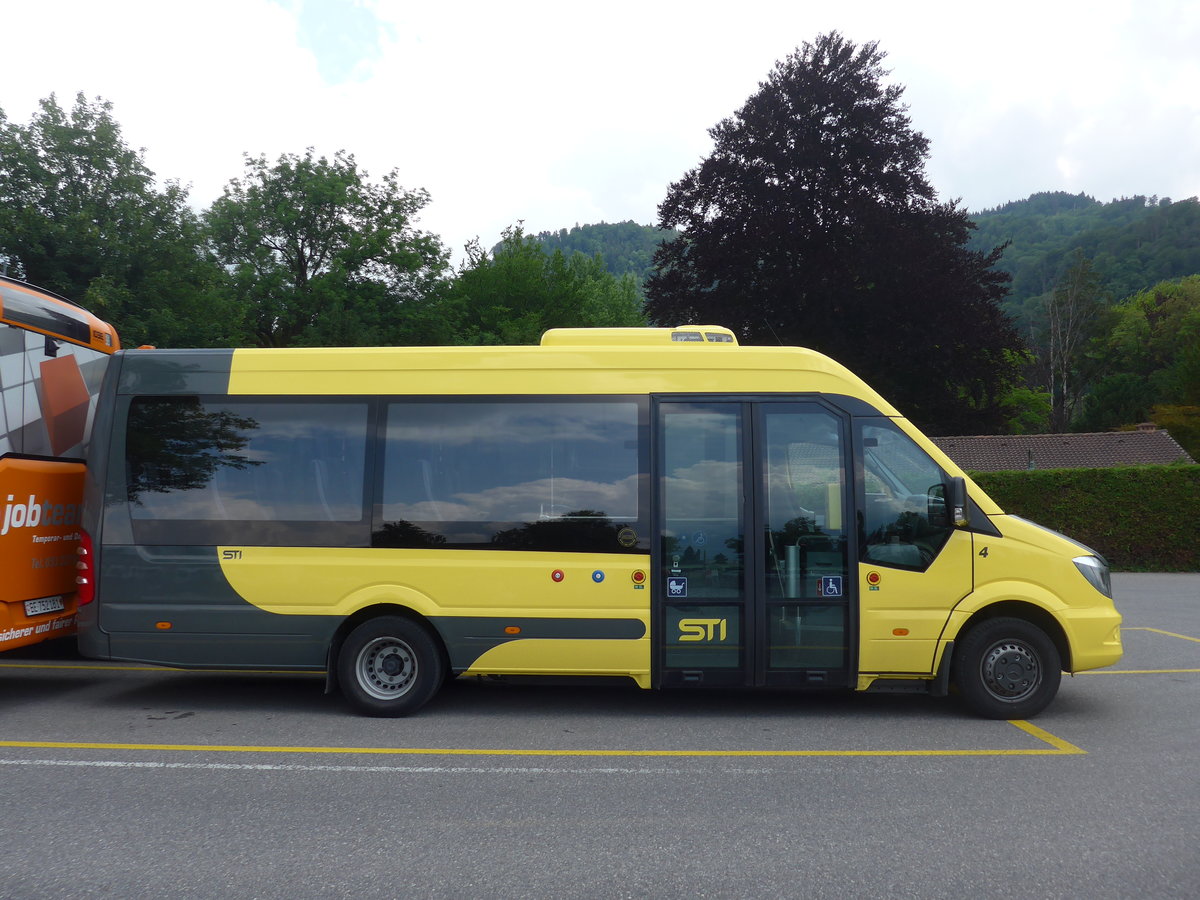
(676, 587)
(830, 586)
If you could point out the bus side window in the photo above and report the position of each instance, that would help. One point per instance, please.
(901, 485)
(242, 469)
(512, 474)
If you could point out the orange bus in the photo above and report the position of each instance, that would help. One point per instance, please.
(52, 358)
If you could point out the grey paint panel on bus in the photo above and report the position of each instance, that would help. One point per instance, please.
(176, 372)
(184, 586)
(215, 651)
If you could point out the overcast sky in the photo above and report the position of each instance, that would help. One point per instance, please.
(562, 113)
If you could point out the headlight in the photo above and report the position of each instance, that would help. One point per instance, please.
(1095, 570)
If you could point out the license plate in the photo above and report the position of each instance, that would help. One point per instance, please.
(44, 605)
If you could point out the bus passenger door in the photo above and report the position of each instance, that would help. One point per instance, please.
(701, 591)
(753, 585)
(804, 584)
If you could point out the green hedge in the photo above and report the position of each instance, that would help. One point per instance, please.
(1142, 518)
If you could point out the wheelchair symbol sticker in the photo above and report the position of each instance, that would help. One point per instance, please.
(830, 586)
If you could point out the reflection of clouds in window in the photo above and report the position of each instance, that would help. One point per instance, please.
(528, 501)
(289, 428)
(508, 425)
(227, 505)
(707, 489)
(510, 462)
(707, 426)
(896, 464)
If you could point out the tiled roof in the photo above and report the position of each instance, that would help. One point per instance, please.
(1000, 452)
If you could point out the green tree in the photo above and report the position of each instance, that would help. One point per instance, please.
(812, 222)
(320, 255)
(1115, 400)
(80, 214)
(1027, 411)
(1073, 317)
(520, 290)
(1150, 350)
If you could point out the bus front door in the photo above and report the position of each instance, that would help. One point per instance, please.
(753, 583)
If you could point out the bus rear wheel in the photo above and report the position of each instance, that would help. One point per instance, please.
(389, 666)
(1007, 668)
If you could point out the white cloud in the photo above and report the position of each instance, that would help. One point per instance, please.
(558, 114)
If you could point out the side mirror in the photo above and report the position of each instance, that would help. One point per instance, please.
(958, 502)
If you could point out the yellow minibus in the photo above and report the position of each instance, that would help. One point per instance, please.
(659, 504)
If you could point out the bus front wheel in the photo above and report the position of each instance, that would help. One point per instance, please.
(389, 666)
(1007, 668)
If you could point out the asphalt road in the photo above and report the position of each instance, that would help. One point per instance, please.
(131, 782)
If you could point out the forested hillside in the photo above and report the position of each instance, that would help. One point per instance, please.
(1132, 243)
(627, 247)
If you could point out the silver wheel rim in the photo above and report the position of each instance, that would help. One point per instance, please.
(1011, 671)
(386, 668)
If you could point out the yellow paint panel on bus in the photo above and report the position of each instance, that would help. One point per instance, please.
(339, 582)
(542, 370)
(568, 657)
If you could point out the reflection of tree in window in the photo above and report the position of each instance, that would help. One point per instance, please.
(175, 445)
(582, 530)
(407, 535)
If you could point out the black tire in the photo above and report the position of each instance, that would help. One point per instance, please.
(390, 666)
(1006, 669)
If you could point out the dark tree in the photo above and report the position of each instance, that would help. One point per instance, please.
(812, 223)
(175, 446)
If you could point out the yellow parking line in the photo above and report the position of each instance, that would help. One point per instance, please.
(1160, 631)
(1042, 735)
(1057, 747)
